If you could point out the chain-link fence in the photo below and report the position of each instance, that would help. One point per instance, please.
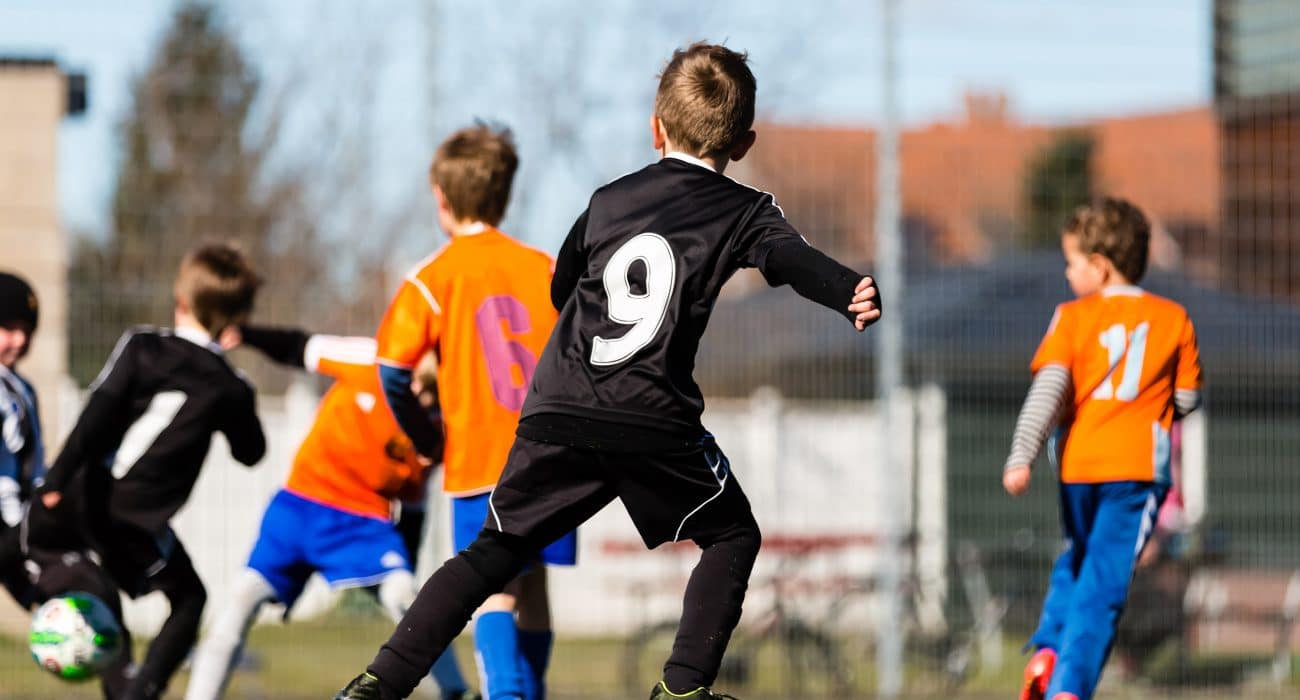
(211, 145)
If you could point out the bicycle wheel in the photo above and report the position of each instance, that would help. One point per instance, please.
(792, 658)
(644, 655)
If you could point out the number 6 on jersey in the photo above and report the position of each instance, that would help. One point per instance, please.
(644, 312)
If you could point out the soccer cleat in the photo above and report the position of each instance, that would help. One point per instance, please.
(661, 692)
(1038, 673)
(363, 687)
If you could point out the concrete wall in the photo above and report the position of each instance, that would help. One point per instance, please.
(32, 103)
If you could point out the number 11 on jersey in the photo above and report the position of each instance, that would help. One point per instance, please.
(1133, 348)
(644, 312)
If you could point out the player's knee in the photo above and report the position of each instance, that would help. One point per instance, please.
(497, 556)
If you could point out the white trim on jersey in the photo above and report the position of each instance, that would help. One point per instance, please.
(200, 338)
(424, 292)
(349, 350)
(1123, 290)
(688, 158)
(112, 359)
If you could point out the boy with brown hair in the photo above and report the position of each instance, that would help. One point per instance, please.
(1118, 365)
(613, 411)
(137, 448)
(482, 302)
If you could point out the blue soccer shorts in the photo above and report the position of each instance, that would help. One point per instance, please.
(300, 537)
(469, 513)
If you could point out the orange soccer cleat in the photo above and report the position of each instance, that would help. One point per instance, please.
(1038, 673)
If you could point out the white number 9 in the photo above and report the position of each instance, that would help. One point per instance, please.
(644, 312)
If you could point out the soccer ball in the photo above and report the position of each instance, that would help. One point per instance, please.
(74, 636)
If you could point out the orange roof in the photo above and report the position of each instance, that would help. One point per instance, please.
(962, 182)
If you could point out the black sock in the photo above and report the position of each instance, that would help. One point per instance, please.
(711, 608)
(444, 606)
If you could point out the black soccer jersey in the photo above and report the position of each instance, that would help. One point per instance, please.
(635, 282)
(150, 419)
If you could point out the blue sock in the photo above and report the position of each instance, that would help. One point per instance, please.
(535, 647)
(446, 673)
(497, 641)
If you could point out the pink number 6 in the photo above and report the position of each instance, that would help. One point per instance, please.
(502, 353)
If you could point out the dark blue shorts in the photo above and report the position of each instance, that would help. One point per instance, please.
(470, 512)
(300, 537)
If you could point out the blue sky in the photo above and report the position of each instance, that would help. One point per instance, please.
(1058, 61)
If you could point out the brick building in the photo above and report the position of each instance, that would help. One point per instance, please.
(1257, 99)
(962, 181)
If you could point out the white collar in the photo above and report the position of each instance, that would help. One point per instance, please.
(199, 338)
(474, 229)
(1122, 290)
(688, 158)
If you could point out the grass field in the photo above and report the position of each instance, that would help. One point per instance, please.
(310, 660)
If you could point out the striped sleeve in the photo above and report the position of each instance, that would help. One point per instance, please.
(1048, 395)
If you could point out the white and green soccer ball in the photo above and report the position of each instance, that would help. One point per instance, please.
(74, 636)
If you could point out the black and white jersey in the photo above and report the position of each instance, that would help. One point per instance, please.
(635, 282)
(150, 419)
(22, 456)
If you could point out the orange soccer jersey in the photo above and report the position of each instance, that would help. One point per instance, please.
(483, 303)
(355, 457)
(1127, 352)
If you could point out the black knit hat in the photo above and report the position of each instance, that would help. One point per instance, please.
(17, 300)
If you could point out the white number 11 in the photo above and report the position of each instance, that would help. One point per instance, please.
(1132, 347)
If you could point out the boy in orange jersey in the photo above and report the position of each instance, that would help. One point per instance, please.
(334, 514)
(1118, 365)
(483, 303)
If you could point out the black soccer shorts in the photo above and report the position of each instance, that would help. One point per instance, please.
(547, 490)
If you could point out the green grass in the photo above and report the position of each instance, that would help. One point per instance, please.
(313, 659)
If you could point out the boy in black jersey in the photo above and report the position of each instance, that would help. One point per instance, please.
(613, 411)
(136, 450)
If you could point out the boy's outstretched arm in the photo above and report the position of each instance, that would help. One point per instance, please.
(286, 346)
(818, 277)
(1048, 395)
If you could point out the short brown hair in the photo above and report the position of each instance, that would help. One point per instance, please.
(1115, 229)
(706, 98)
(475, 168)
(218, 284)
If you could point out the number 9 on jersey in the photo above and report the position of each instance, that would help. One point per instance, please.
(643, 312)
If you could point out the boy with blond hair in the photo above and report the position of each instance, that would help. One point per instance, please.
(136, 450)
(613, 411)
(482, 303)
(1118, 365)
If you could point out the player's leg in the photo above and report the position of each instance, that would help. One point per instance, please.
(693, 495)
(177, 580)
(395, 595)
(1078, 506)
(224, 640)
(56, 573)
(535, 635)
(277, 570)
(545, 491)
(1124, 520)
(496, 634)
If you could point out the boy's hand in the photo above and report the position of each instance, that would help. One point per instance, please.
(51, 499)
(867, 310)
(1016, 480)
